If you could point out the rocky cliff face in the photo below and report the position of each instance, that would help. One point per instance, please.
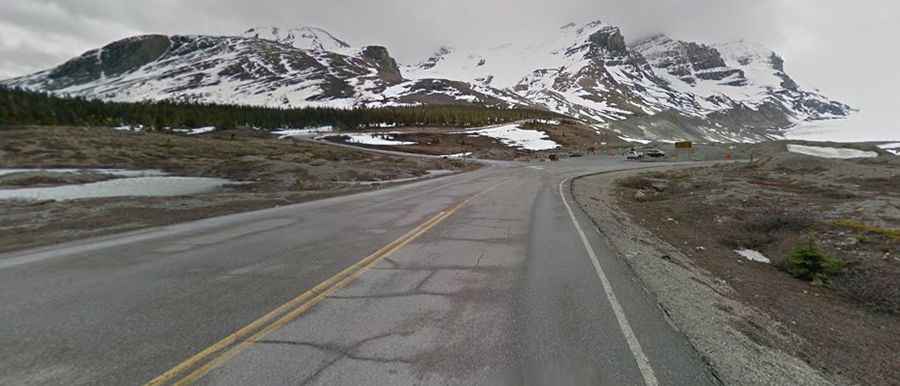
(109, 61)
(737, 85)
(387, 67)
(652, 88)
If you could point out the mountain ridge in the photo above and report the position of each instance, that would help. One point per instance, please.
(651, 88)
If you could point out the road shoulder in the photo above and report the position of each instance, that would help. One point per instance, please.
(697, 303)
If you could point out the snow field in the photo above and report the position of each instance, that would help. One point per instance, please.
(830, 152)
(514, 136)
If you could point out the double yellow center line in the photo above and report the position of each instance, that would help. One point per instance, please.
(200, 364)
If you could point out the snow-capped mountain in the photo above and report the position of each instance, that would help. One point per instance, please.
(737, 84)
(268, 67)
(653, 88)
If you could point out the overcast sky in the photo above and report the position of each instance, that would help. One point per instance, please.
(845, 48)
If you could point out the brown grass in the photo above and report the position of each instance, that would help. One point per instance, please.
(891, 234)
(763, 227)
(636, 182)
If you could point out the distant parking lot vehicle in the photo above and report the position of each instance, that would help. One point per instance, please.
(654, 153)
(633, 155)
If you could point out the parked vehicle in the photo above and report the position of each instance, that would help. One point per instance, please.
(633, 155)
(653, 153)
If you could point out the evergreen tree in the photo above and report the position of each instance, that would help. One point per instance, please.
(19, 107)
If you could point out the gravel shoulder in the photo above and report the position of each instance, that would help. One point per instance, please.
(719, 246)
(699, 303)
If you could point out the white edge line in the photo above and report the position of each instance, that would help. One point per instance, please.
(642, 362)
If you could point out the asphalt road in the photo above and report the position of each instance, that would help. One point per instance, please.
(480, 278)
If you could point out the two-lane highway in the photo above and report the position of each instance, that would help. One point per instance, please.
(489, 277)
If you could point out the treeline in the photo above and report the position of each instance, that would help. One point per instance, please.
(18, 107)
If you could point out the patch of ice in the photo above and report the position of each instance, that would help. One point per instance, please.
(202, 130)
(514, 136)
(138, 186)
(135, 129)
(830, 152)
(197, 131)
(457, 155)
(752, 255)
(287, 133)
(376, 139)
(112, 172)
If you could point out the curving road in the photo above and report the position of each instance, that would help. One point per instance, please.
(489, 277)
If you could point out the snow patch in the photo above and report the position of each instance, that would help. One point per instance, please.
(458, 155)
(138, 186)
(135, 129)
(752, 255)
(830, 152)
(201, 130)
(514, 136)
(111, 172)
(635, 140)
(376, 139)
(288, 133)
(197, 131)
(893, 148)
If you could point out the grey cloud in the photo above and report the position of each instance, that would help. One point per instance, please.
(413, 28)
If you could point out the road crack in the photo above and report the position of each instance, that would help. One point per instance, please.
(341, 352)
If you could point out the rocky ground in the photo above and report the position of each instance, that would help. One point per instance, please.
(280, 172)
(769, 323)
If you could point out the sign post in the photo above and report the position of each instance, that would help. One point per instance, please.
(685, 147)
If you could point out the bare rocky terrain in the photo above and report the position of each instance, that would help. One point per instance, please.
(767, 323)
(273, 172)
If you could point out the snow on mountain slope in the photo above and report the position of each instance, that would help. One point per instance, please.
(699, 70)
(653, 88)
(503, 66)
(307, 38)
(585, 71)
(303, 67)
(210, 69)
(725, 92)
(731, 75)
